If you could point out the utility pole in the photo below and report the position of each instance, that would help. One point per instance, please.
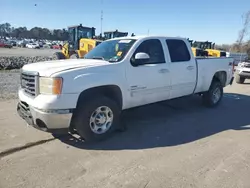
(101, 15)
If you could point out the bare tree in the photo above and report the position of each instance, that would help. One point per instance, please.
(244, 31)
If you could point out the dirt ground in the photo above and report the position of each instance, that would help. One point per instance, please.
(178, 143)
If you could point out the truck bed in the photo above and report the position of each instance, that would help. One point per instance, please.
(211, 64)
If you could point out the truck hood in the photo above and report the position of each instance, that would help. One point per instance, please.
(48, 68)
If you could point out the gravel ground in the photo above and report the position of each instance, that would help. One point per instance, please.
(26, 52)
(9, 83)
(17, 57)
(17, 62)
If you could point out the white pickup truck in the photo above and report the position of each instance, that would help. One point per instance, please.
(87, 95)
(242, 72)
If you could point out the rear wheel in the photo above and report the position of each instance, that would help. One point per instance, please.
(97, 118)
(213, 96)
(239, 79)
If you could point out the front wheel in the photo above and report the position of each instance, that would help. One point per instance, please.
(97, 119)
(213, 96)
(74, 56)
(239, 79)
(58, 56)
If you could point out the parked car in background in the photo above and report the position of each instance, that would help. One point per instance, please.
(33, 45)
(2, 44)
(8, 44)
(22, 43)
(13, 43)
(56, 46)
(5, 44)
(41, 44)
(47, 46)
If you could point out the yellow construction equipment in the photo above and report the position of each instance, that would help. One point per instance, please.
(197, 49)
(82, 39)
(205, 48)
(210, 48)
(114, 34)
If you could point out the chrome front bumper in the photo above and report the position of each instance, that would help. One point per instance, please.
(45, 120)
(243, 72)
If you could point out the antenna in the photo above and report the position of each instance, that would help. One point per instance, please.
(101, 15)
(148, 31)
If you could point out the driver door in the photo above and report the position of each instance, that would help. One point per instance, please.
(150, 81)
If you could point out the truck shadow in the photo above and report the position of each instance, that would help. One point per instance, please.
(172, 123)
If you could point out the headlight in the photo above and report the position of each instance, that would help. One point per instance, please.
(240, 65)
(50, 86)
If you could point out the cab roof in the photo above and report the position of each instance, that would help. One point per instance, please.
(114, 31)
(138, 37)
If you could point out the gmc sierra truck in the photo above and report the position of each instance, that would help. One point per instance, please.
(88, 95)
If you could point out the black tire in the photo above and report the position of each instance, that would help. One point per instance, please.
(58, 55)
(83, 116)
(208, 97)
(239, 79)
(74, 56)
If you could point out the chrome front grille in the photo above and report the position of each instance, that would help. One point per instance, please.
(29, 83)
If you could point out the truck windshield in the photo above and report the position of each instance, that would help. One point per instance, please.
(112, 50)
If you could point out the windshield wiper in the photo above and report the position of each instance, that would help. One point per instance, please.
(97, 57)
(113, 60)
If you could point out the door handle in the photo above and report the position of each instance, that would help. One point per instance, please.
(190, 67)
(163, 71)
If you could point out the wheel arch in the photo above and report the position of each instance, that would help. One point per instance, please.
(111, 91)
(220, 76)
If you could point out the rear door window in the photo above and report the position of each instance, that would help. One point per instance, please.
(178, 50)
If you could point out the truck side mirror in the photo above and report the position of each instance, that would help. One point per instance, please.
(140, 58)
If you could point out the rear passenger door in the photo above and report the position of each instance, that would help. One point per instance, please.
(182, 68)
